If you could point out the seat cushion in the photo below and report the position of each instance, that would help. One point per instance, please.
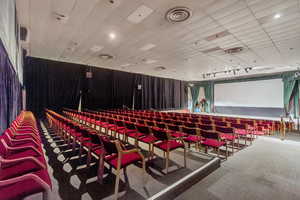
(212, 143)
(258, 133)
(178, 134)
(228, 136)
(193, 138)
(241, 131)
(135, 134)
(171, 144)
(126, 160)
(148, 139)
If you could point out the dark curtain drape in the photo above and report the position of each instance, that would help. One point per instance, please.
(51, 84)
(159, 93)
(10, 90)
(54, 85)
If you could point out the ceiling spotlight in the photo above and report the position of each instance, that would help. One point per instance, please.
(203, 75)
(277, 16)
(112, 36)
(234, 72)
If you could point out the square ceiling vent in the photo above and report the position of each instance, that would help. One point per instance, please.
(139, 14)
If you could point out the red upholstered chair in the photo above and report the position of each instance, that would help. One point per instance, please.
(129, 130)
(167, 144)
(119, 158)
(147, 137)
(116, 130)
(22, 186)
(193, 136)
(213, 140)
(175, 131)
(241, 130)
(227, 134)
(161, 125)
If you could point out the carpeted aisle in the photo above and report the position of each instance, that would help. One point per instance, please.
(267, 170)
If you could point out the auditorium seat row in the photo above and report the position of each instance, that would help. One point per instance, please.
(23, 169)
(203, 135)
(106, 149)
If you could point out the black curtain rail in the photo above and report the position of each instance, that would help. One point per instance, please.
(54, 85)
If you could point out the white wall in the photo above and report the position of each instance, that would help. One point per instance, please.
(264, 93)
(8, 35)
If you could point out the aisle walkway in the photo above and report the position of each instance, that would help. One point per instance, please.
(268, 170)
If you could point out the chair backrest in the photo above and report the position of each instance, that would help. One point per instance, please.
(150, 123)
(204, 121)
(238, 126)
(119, 123)
(205, 127)
(95, 139)
(133, 120)
(161, 125)
(160, 134)
(226, 130)
(173, 127)
(129, 125)
(188, 130)
(143, 129)
(109, 145)
(209, 134)
(220, 123)
(190, 124)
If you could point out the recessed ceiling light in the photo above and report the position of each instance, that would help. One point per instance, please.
(150, 61)
(277, 16)
(112, 36)
(125, 65)
(96, 48)
(147, 47)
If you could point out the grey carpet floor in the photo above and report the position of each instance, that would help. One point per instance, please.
(267, 170)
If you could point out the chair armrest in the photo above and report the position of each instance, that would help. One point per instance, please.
(24, 148)
(4, 162)
(130, 151)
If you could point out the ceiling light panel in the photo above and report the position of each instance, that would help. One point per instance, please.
(139, 14)
(147, 47)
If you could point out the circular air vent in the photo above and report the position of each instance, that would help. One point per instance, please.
(160, 68)
(178, 14)
(234, 50)
(105, 56)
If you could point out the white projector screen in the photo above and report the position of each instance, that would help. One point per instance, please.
(265, 93)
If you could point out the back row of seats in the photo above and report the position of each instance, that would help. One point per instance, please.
(23, 168)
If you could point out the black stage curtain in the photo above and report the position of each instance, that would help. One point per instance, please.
(51, 84)
(10, 90)
(55, 85)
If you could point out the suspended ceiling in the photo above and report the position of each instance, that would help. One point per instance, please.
(141, 40)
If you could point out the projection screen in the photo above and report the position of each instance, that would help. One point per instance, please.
(259, 94)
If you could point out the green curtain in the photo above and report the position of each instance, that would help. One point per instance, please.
(289, 83)
(208, 90)
(296, 99)
(195, 94)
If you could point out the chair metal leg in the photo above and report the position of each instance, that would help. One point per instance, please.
(101, 169)
(167, 161)
(184, 156)
(117, 179)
